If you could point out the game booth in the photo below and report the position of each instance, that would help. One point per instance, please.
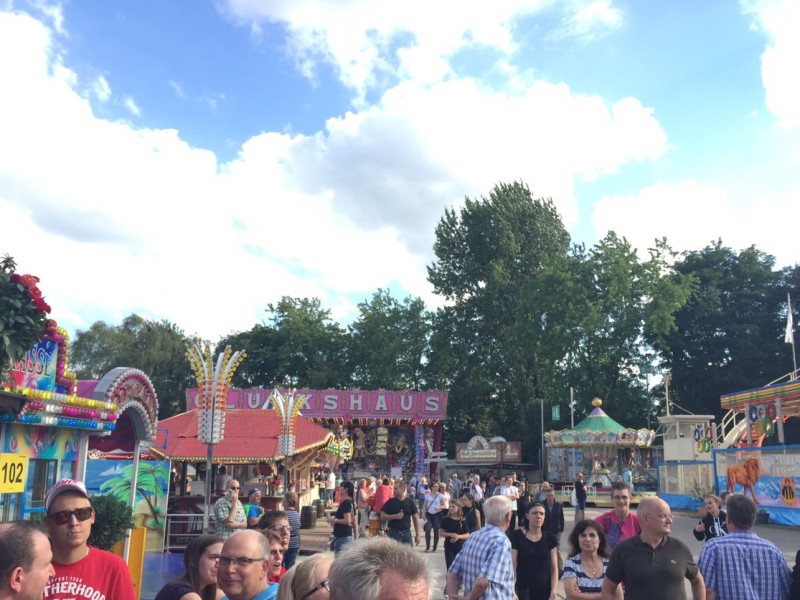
(604, 451)
(759, 464)
(373, 432)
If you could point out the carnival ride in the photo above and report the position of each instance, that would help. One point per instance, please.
(606, 452)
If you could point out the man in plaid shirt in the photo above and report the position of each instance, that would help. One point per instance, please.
(741, 564)
(484, 564)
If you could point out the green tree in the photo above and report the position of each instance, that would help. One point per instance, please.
(388, 343)
(611, 303)
(155, 347)
(729, 335)
(301, 346)
(489, 255)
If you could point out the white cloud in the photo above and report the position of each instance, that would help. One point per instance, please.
(370, 43)
(101, 89)
(177, 88)
(692, 214)
(588, 20)
(130, 105)
(780, 61)
(135, 219)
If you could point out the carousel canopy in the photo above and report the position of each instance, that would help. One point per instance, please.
(598, 420)
(250, 436)
(599, 429)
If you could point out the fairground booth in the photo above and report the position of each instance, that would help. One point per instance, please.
(605, 452)
(50, 422)
(372, 432)
(746, 453)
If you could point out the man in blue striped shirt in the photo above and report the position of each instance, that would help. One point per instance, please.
(484, 564)
(741, 564)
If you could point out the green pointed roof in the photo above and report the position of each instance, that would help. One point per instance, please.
(598, 420)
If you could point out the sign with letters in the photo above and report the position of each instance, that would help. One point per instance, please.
(344, 404)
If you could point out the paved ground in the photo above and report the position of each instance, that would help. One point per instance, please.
(786, 538)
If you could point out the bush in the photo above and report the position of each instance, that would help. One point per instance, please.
(112, 518)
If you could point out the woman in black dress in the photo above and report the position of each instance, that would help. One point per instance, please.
(454, 532)
(471, 514)
(535, 556)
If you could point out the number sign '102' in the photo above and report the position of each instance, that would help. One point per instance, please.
(13, 473)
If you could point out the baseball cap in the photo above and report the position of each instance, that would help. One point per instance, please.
(65, 485)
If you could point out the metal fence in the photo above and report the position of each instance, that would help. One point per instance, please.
(181, 529)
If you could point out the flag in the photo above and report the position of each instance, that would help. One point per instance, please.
(789, 338)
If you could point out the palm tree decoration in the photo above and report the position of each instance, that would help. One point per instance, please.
(152, 479)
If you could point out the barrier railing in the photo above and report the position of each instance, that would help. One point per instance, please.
(181, 529)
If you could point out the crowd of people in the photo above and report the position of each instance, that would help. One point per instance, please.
(500, 543)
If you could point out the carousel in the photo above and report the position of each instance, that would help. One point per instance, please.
(605, 452)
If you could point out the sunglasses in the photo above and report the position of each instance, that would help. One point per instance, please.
(324, 585)
(63, 517)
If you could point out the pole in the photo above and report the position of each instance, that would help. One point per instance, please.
(667, 378)
(209, 467)
(541, 459)
(790, 334)
(572, 421)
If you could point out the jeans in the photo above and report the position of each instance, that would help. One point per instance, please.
(289, 557)
(400, 535)
(363, 525)
(434, 522)
(340, 543)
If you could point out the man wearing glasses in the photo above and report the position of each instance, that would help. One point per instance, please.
(244, 564)
(81, 571)
(229, 514)
(653, 564)
(619, 524)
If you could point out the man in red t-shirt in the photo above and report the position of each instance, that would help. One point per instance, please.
(385, 491)
(82, 572)
(621, 523)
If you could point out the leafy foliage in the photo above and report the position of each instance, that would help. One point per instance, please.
(156, 348)
(729, 335)
(23, 314)
(113, 518)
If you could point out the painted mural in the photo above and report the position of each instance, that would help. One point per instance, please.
(150, 507)
(45, 443)
(771, 476)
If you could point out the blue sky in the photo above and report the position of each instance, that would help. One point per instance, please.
(196, 161)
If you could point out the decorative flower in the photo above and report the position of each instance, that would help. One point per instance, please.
(23, 314)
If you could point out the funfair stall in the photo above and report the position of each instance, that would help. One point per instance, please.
(60, 418)
(387, 431)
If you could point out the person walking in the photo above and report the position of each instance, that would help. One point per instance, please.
(741, 564)
(714, 521)
(433, 517)
(484, 565)
(293, 517)
(653, 564)
(345, 528)
(535, 556)
(471, 514)
(580, 498)
(454, 532)
(398, 514)
(585, 568)
(621, 523)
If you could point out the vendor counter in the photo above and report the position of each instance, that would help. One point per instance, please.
(195, 504)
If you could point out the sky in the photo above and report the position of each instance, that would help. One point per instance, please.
(197, 160)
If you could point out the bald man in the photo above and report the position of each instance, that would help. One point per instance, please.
(653, 565)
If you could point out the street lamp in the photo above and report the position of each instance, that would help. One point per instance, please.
(213, 382)
(287, 407)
